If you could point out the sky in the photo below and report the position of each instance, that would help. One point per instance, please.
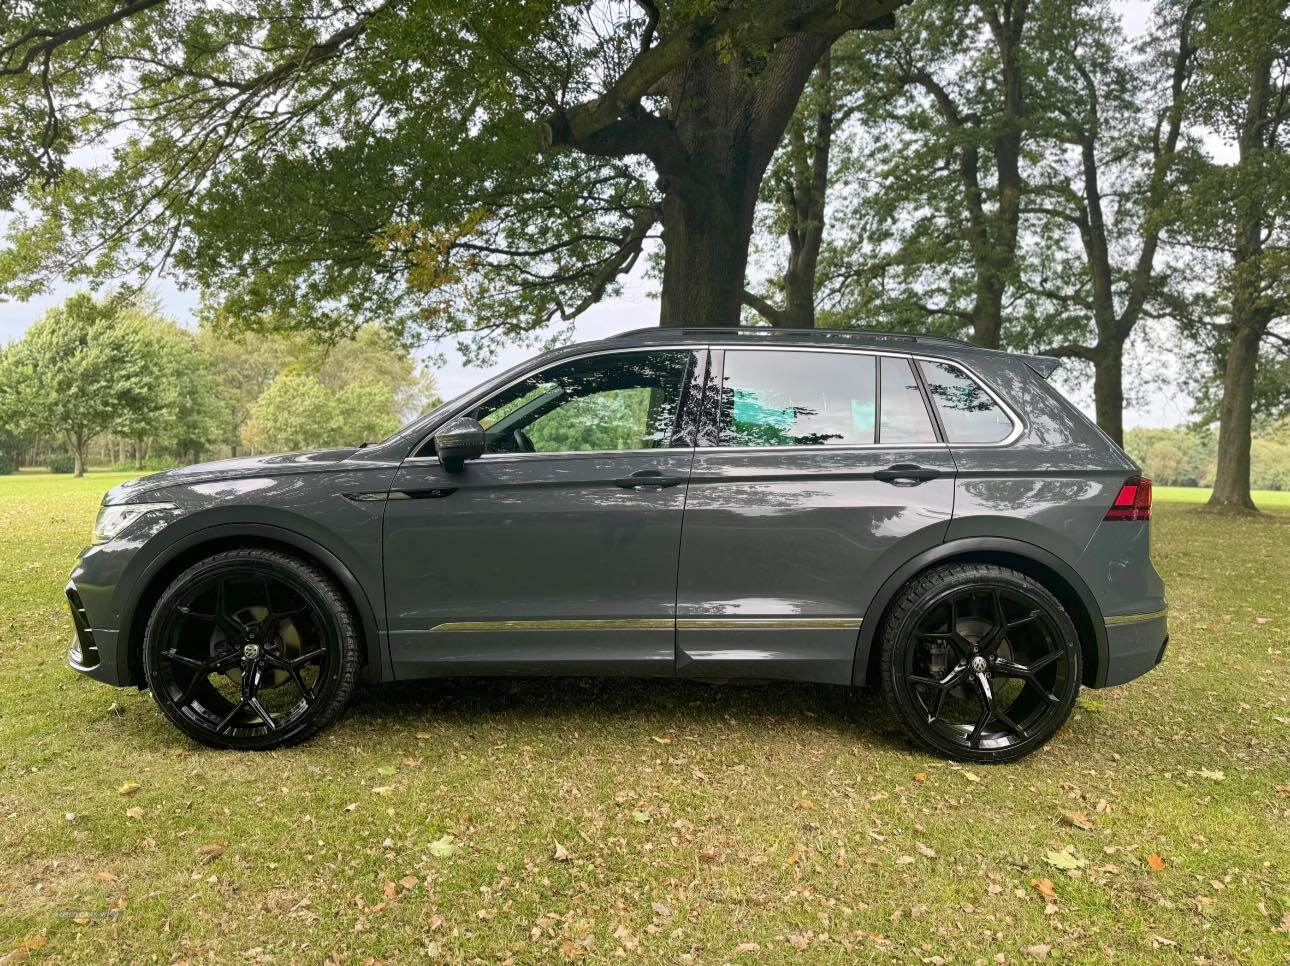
(634, 308)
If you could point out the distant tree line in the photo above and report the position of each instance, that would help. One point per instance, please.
(1017, 172)
(114, 379)
(1189, 457)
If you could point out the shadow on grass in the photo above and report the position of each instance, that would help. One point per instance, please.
(579, 703)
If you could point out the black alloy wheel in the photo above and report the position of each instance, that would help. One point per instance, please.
(979, 663)
(251, 649)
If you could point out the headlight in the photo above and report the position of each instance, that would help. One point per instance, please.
(113, 519)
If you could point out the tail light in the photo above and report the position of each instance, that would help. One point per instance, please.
(1133, 502)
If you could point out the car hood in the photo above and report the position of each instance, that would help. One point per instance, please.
(236, 468)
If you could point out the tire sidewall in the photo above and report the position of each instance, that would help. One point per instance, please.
(914, 603)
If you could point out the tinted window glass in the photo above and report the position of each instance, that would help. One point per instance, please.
(967, 412)
(797, 399)
(608, 402)
(904, 417)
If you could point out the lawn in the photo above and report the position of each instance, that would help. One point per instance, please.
(1263, 499)
(660, 821)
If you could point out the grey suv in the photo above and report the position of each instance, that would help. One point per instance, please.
(826, 506)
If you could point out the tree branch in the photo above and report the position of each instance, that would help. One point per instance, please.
(751, 23)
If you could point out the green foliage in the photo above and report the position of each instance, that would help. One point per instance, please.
(77, 371)
(1187, 457)
(62, 463)
(297, 412)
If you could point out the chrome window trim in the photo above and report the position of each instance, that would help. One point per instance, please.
(1018, 425)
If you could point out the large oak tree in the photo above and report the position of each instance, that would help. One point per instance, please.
(439, 166)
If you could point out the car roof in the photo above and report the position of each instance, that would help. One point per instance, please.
(852, 338)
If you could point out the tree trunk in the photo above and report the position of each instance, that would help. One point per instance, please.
(78, 455)
(707, 227)
(1232, 480)
(1108, 391)
(1249, 318)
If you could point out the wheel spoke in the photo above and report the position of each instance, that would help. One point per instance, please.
(1022, 672)
(1011, 725)
(308, 658)
(1030, 618)
(984, 693)
(228, 718)
(259, 709)
(989, 644)
(175, 657)
(305, 691)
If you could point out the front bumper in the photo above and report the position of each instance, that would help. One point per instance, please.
(1135, 644)
(93, 651)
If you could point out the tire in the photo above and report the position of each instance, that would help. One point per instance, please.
(251, 649)
(980, 663)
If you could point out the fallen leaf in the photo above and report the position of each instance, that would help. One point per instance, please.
(662, 741)
(1079, 820)
(104, 877)
(925, 850)
(748, 948)
(920, 776)
(386, 770)
(639, 816)
(444, 847)
(661, 909)
(805, 804)
(383, 790)
(1155, 861)
(970, 776)
(1065, 860)
(207, 854)
(1216, 776)
(561, 854)
(408, 881)
(1037, 951)
(135, 812)
(1044, 887)
(128, 789)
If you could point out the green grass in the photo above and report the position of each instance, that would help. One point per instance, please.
(1263, 499)
(694, 818)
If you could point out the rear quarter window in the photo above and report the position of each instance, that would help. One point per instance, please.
(968, 413)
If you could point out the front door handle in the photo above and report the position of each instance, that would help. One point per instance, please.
(648, 480)
(906, 474)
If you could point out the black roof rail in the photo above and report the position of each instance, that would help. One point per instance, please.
(660, 333)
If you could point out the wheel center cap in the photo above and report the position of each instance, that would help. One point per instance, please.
(251, 651)
(979, 664)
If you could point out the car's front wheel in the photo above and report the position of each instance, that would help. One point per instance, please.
(251, 649)
(979, 662)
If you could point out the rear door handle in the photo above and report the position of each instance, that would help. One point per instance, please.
(906, 474)
(648, 480)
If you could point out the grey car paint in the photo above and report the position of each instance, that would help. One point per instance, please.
(766, 563)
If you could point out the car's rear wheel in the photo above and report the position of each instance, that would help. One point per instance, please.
(979, 662)
(251, 649)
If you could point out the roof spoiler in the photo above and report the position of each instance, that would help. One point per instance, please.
(1044, 365)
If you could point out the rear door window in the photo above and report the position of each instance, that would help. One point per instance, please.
(968, 413)
(797, 399)
(904, 414)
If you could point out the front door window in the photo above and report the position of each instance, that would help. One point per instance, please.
(603, 403)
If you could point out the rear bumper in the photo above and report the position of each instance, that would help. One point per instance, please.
(1135, 644)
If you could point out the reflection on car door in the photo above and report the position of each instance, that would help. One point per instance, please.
(556, 551)
(819, 464)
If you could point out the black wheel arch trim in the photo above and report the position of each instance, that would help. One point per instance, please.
(967, 547)
(378, 667)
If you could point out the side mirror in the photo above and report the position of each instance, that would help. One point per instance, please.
(458, 440)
